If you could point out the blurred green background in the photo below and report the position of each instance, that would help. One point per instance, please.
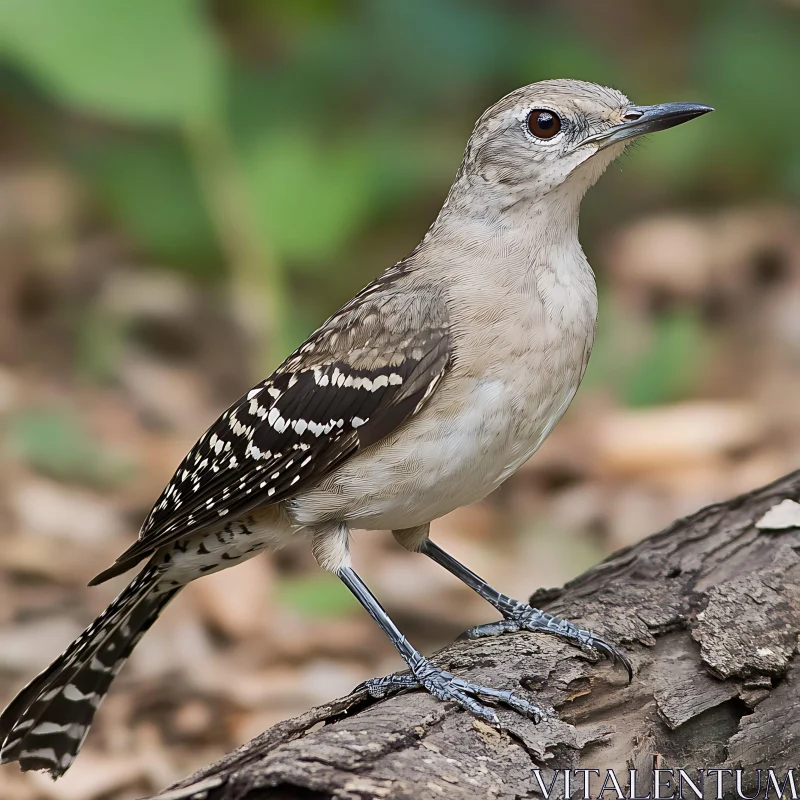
(288, 151)
(188, 188)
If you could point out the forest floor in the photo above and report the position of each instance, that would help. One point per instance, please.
(84, 458)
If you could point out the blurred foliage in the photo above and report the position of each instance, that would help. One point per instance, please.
(656, 362)
(319, 594)
(294, 150)
(100, 340)
(270, 157)
(666, 371)
(147, 62)
(57, 444)
(149, 185)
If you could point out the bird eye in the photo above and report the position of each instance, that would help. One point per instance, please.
(543, 124)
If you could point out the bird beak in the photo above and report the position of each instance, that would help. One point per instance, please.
(648, 119)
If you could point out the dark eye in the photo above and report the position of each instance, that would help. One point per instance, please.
(543, 124)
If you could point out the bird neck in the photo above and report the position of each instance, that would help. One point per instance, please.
(508, 234)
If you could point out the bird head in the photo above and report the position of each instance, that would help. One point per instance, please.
(557, 135)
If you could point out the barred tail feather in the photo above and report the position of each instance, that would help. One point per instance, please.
(45, 725)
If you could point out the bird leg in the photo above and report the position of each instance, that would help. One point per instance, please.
(520, 616)
(423, 674)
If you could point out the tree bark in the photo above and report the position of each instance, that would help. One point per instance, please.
(708, 611)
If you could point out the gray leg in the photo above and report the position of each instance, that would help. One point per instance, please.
(519, 616)
(423, 674)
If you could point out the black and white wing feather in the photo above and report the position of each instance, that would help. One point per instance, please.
(361, 375)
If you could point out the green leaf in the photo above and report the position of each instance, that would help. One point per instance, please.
(146, 61)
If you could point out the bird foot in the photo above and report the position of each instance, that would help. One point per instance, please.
(446, 686)
(525, 618)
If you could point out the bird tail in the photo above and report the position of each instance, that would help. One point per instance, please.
(45, 725)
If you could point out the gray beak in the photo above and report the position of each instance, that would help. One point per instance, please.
(648, 119)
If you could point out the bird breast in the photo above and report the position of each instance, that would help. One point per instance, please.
(520, 352)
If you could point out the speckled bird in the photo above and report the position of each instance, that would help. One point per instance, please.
(425, 392)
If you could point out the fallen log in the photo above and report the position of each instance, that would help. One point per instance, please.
(708, 611)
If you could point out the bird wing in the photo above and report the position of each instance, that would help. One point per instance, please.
(362, 374)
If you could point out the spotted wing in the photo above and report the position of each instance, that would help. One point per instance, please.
(318, 408)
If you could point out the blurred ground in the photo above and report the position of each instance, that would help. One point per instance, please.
(241, 650)
(152, 268)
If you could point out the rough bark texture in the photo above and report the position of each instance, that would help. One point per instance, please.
(709, 612)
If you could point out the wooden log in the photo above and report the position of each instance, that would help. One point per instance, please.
(708, 611)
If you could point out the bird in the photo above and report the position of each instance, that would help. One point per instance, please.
(423, 393)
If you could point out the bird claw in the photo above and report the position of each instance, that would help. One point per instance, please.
(447, 687)
(388, 685)
(526, 618)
